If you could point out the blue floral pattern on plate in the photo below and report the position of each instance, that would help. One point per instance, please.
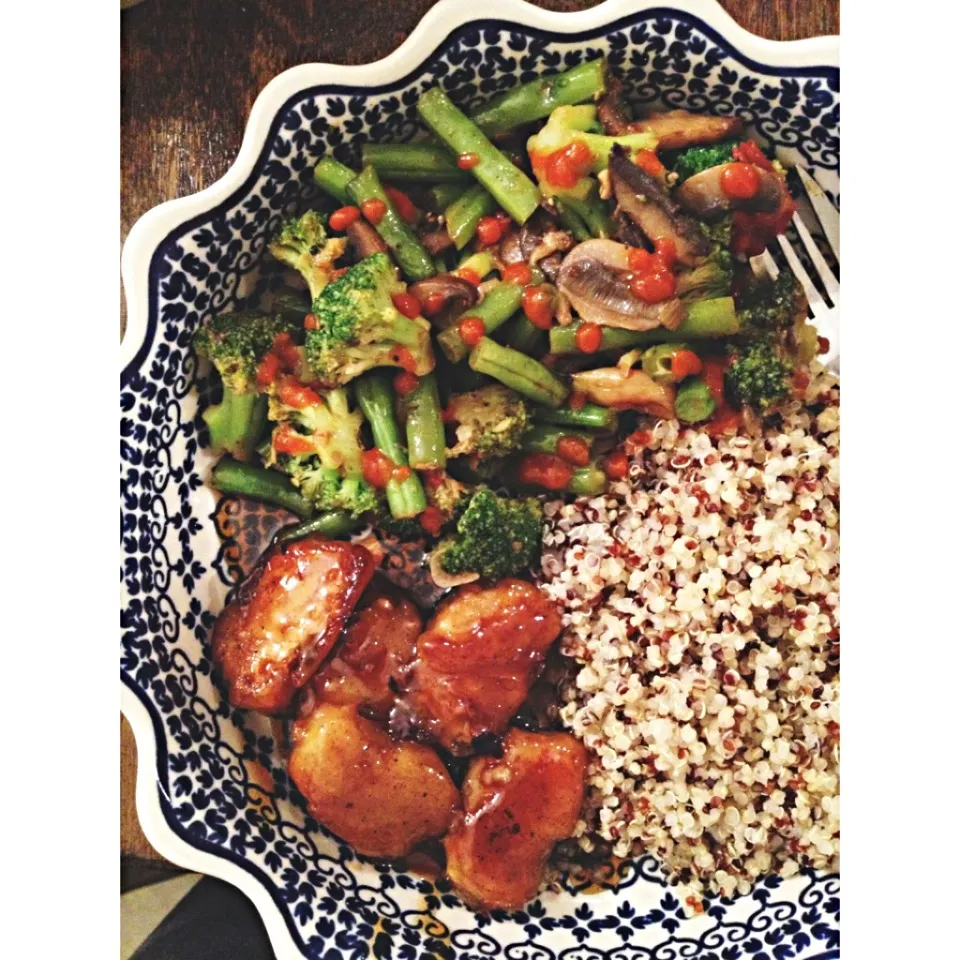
(220, 773)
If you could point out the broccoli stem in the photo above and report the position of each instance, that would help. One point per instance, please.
(588, 481)
(497, 307)
(523, 374)
(465, 213)
(236, 423)
(522, 335)
(414, 163)
(511, 188)
(267, 486)
(705, 319)
(544, 437)
(590, 415)
(406, 498)
(592, 212)
(441, 195)
(426, 442)
(332, 177)
(694, 401)
(573, 221)
(537, 99)
(333, 524)
(412, 258)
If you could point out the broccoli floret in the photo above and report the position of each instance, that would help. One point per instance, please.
(235, 343)
(568, 124)
(759, 373)
(495, 536)
(407, 529)
(359, 328)
(444, 492)
(697, 159)
(771, 306)
(712, 278)
(491, 422)
(331, 475)
(302, 244)
(720, 231)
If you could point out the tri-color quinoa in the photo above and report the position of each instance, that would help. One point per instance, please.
(700, 600)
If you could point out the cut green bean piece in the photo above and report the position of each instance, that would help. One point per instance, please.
(405, 498)
(543, 437)
(592, 212)
(573, 222)
(537, 99)
(426, 442)
(409, 253)
(523, 374)
(440, 196)
(258, 483)
(522, 335)
(481, 263)
(500, 303)
(510, 186)
(334, 524)
(589, 481)
(414, 163)
(590, 416)
(465, 213)
(694, 401)
(705, 319)
(332, 177)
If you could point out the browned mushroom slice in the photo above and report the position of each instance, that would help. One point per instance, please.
(458, 295)
(364, 240)
(608, 387)
(435, 236)
(593, 277)
(703, 193)
(648, 203)
(678, 129)
(612, 111)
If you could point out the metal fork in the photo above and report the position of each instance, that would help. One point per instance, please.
(825, 311)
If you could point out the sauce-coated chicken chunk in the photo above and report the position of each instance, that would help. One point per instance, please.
(380, 795)
(515, 809)
(286, 617)
(477, 659)
(378, 642)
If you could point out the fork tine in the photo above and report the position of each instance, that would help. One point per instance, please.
(817, 304)
(826, 212)
(830, 282)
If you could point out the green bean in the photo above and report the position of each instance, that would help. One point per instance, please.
(411, 257)
(375, 398)
(257, 483)
(657, 361)
(537, 99)
(522, 335)
(573, 222)
(590, 415)
(521, 373)
(481, 262)
(441, 195)
(426, 442)
(705, 319)
(463, 215)
(414, 163)
(334, 524)
(501, 302)
(694, 401)
(543, 437)
(592, 212)
(511, 188)
(332, 177)
(589, 481)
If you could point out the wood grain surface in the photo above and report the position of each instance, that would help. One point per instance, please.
(191, 69)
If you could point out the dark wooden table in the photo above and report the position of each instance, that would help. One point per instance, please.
(191, 69)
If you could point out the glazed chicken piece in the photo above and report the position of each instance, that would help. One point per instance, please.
(476, 661)
(272, 637)
(381, 796)
(515, 809)
(378, 642)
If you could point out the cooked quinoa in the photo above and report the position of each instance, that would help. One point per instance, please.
(700, 600)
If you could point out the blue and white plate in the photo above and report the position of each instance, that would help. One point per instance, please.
(212, 791)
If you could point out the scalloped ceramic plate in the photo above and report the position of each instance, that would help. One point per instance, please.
(212, 793)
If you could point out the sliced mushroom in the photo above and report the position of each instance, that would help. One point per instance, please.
(608, 387)
(364, 240)
(648, 203)
(459, 295)
(678, 129)
(520, 245)
(612, 110)
(626, 231)
(551, 266)
(703, 193)
(434, 236)
(593, 278)
(553, 241)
